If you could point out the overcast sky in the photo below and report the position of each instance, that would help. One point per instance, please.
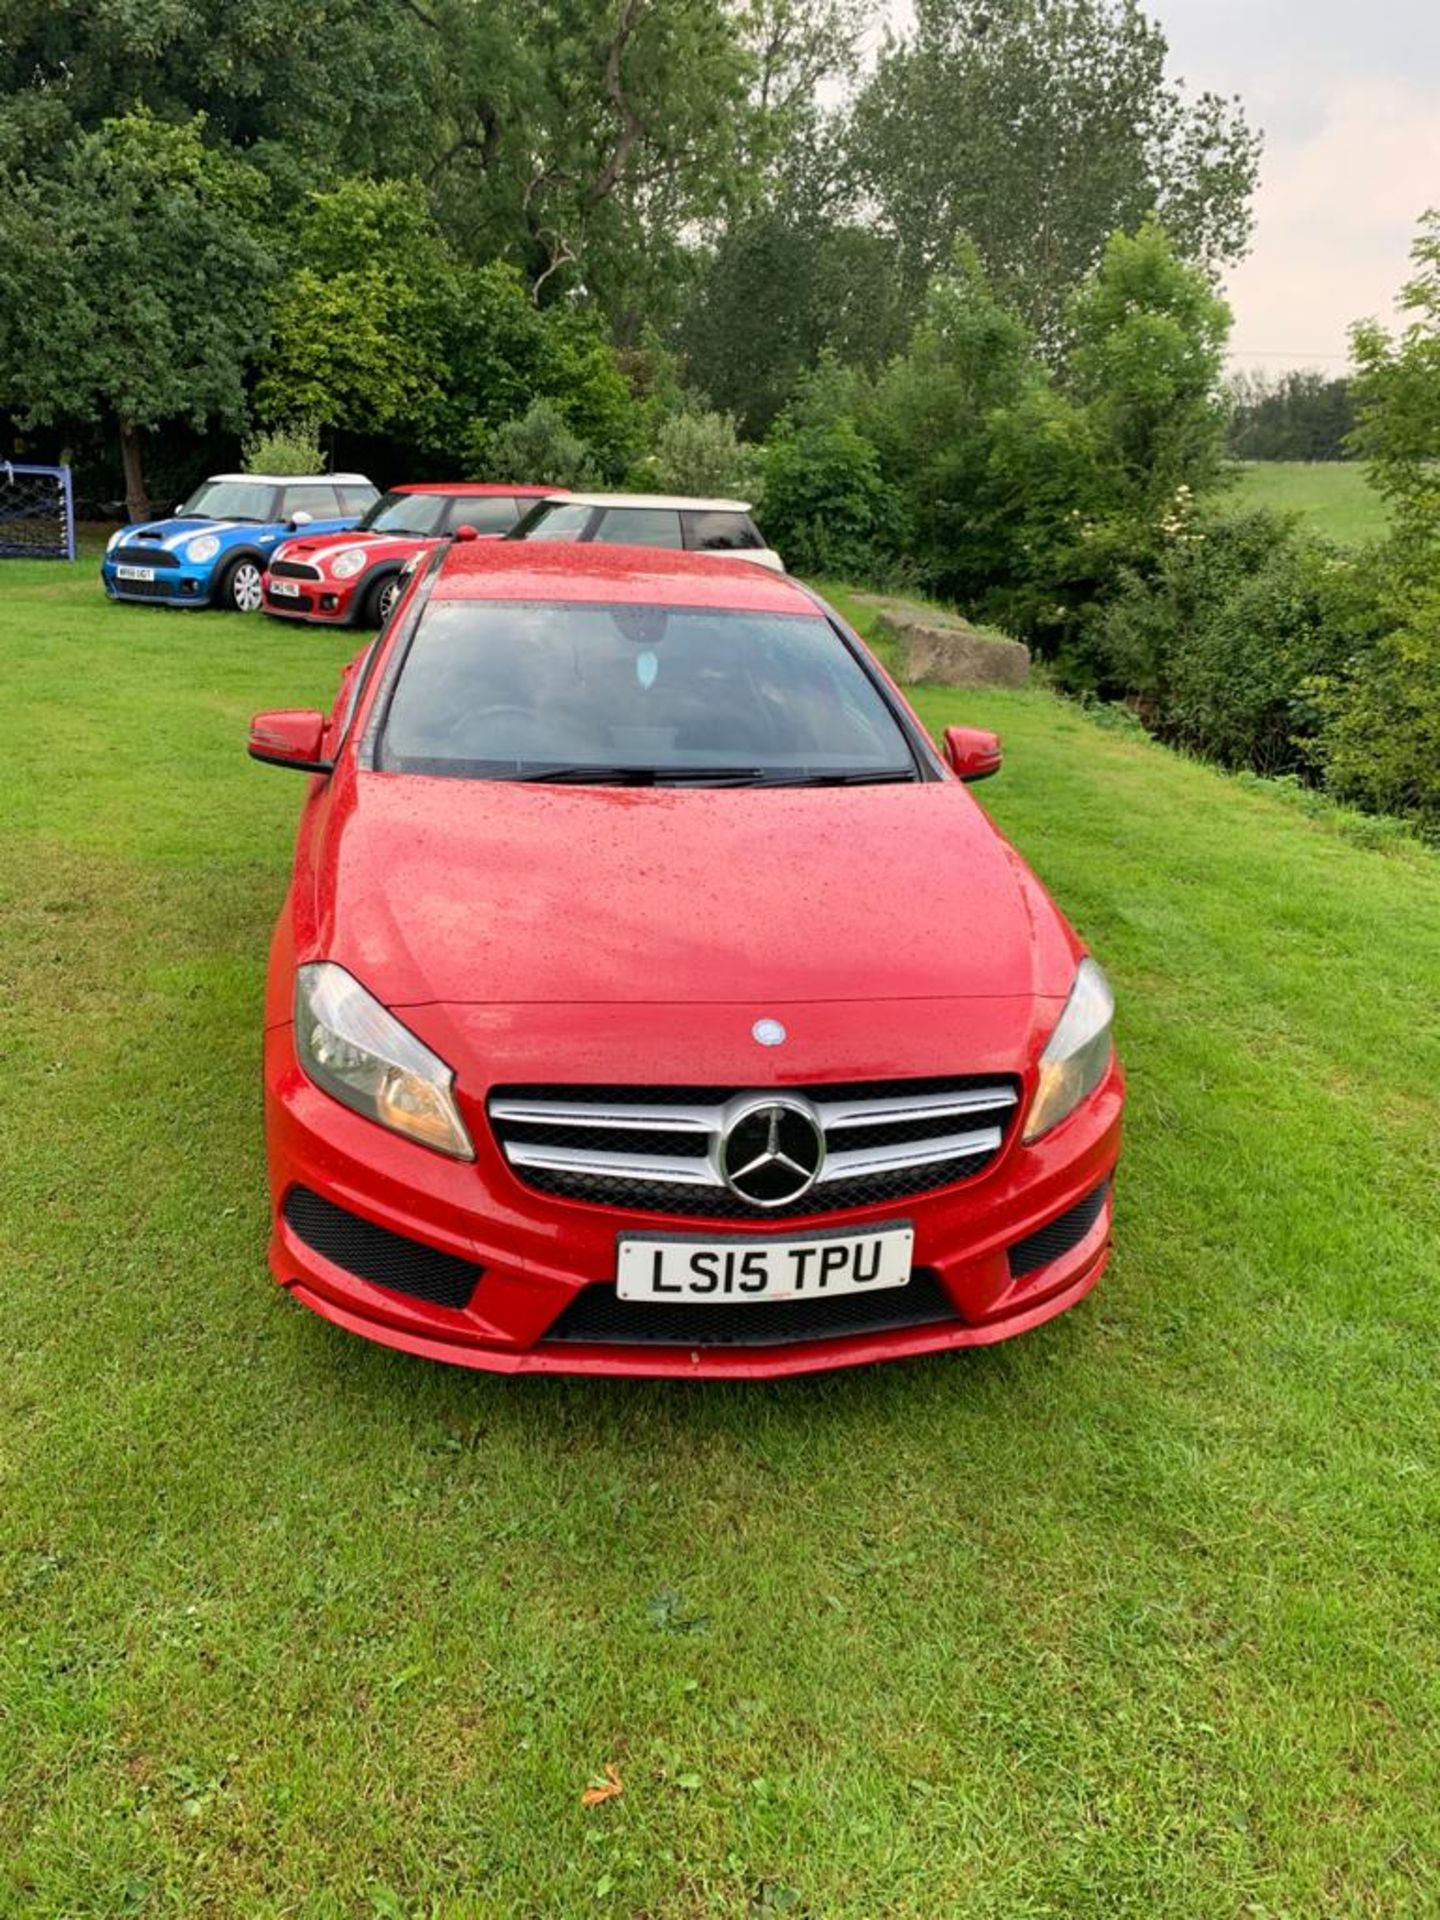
(1347, 93)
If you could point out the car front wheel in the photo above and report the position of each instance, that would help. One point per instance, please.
(379, 600)
(240, 588)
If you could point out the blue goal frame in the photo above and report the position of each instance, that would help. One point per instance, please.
(41, 504)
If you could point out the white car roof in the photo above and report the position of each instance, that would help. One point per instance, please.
(296, 479)
(678, 500)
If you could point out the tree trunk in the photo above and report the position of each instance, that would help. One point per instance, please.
(137, 503)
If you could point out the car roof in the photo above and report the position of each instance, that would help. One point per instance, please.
(634, 576)
(482, 489)
(296, 479)
(679, 500)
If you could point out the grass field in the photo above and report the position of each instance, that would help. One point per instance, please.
(1336, 498)
(1134, 1617)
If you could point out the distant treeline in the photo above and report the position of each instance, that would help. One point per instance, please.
(1290, 416)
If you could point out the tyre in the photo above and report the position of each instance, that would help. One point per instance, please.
(239, 590)
(380, 598)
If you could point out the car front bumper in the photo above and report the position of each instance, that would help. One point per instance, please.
(534, 1254)
(183, 586)
(322, 603)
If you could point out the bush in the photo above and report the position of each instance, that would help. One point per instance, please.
(538, 449)
(1222, 647)
(827, 508)
(1379, 717)
(702, 453)
(291, 448)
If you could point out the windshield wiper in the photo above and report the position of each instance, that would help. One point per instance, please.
(603, 776)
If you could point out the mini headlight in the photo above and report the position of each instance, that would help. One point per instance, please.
(357, 1052)
(348, 563)
(115, 539)
(1077, 1054)
(203, 549)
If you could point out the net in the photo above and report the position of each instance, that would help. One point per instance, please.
(37, 513)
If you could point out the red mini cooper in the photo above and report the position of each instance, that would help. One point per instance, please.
(651, 998)
(354, 579)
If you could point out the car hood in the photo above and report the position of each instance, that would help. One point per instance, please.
(319, 549)
(174, 533)
(492, 892)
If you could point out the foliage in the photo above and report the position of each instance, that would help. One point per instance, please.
(132, 284)
(1219, 647)
(1148, 338)
(1038, 128)
(700, 453)
(1397, 395)
(538, 447)
(783, 287)
(292, 447)
(827, 505)
(1300, 415)
(1379, 718)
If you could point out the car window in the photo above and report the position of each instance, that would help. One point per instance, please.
(496, 690)
(639, 527)
(252, 500)
(418, 513)
(485, 512)
(321, 503)
(356, 499)
(715, 532)
(555, 520)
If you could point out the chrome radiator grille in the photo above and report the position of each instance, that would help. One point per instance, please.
(724, 1153)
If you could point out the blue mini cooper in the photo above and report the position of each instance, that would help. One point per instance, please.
(215, 549)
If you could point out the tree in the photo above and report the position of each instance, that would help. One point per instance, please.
(133, 286)
(1149, 336)
(1397, 395)
(1038, 128)
(1300, 415)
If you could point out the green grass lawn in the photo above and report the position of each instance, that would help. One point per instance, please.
(1336, 498)
(1136, 1616)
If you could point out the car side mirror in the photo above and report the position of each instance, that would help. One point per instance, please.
(294, 737)
(972, 753)
(300, 518)
(465, 531)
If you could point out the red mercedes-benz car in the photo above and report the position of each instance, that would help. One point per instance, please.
(651, 998)
(354, 579)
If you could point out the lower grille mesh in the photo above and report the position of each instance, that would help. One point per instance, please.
(1059, 1236)
(598, 1315)
(375, 1254)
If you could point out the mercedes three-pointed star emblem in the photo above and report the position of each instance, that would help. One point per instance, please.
(772, 1150)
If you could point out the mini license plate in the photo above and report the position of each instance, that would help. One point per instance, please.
(134, 573)
(733, 1271)
(283, 590)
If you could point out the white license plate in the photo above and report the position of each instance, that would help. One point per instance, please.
(733, 1271)
(283, 590)
(134, 573)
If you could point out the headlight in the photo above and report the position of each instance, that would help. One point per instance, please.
(348, 563)
(115, 539)
(1077, 1054)
(361, 1055)
(203, 549)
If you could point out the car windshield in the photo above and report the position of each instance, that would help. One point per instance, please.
(250, 500)
(637, 695)
(417, 513)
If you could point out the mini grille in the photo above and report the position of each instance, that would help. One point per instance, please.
(149, 589)
(1059, 1236)
(598, 1315)
(658, 1149)
(374, 1253)
(294, 570)
(144, 557)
